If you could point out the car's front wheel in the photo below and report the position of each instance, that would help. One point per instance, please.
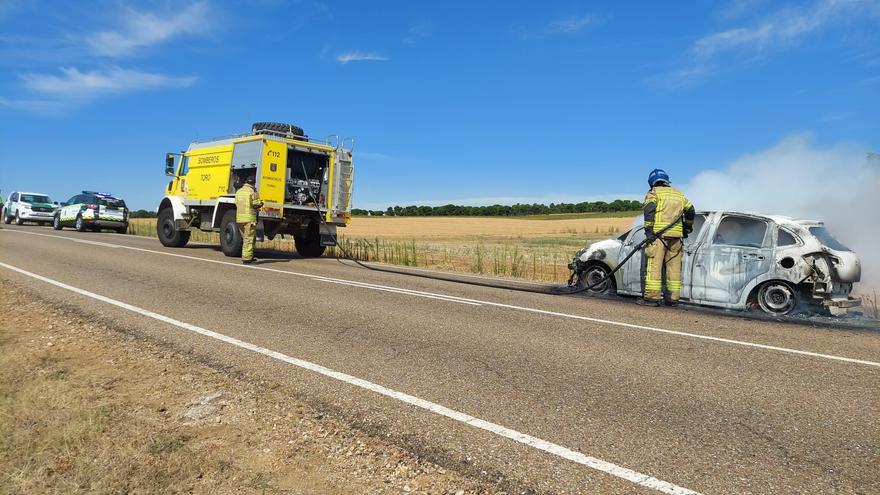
(56, 223)
(777, 298)
(599, 278)
(18, 220)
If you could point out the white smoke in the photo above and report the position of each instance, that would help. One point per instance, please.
(838, 185)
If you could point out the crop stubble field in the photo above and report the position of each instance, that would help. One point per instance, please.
(531, 247)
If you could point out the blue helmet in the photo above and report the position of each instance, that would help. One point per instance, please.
(657, 175)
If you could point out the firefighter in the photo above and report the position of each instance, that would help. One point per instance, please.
(664, 205)
(247, 204)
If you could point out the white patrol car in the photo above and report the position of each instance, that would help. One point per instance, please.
(28, 207)
(92, 211)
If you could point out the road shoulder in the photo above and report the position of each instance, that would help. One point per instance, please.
(86, 406)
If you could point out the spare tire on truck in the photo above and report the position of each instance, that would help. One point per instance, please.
(289, 129)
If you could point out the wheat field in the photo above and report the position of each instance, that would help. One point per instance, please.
(534, 248)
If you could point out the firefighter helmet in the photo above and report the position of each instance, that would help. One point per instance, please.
(657, 175)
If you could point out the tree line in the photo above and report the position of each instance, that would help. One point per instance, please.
(503, 210)
(142, 214)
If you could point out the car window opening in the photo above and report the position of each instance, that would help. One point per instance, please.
(785, 238)
(741, 231)
(827, 239)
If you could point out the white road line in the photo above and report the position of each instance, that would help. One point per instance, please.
(95, 243)
(634, 326)
(394, 291)
(552, 448)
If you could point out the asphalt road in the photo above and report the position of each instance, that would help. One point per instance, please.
(703, 402)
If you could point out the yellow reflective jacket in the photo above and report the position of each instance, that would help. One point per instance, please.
(665, 205)
(247, 203)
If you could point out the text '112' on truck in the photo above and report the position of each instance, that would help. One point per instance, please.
(305, 186)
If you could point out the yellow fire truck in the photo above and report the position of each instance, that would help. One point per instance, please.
(305, 186)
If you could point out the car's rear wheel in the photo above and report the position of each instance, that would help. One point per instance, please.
(80, 224)
(230, 236)
(167, 232)
(6, 218)
(309, 246)
(18, 220)
(598, 275)
(777, 298)
(56, 223)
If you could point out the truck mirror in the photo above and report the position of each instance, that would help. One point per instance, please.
(169, 164)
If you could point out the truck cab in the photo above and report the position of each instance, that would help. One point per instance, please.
(305, 186)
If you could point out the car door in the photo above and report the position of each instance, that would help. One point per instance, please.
(735, 252)
(68, 212)
(631, 271)
(691, 244)
(9, 207)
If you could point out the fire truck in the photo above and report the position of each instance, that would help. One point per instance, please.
(305, 186)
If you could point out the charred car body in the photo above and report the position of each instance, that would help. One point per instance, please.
(739, 261)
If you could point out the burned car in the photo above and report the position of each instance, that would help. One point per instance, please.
(738, 261)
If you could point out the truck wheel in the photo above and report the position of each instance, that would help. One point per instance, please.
(230, 236)
(168, 234)
(56, 223)
(777, 298)
(309, 246)
(18, 220)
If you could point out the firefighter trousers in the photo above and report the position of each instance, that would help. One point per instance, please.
(663, 264)
(248, 239)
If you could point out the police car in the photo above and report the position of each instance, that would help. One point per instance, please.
(28, 207)
(92, 211)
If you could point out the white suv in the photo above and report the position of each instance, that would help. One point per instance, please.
(28, 207)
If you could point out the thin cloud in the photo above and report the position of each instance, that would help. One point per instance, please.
(559, 27)
(57, 93)
(145, 29)
(344, 58)
(571, 25)
(73, 83)
(782, 30)
(417, 32)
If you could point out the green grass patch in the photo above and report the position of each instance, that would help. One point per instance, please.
(166, 444)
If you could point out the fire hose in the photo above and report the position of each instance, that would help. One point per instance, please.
(567, 290)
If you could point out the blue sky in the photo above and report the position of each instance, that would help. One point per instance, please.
(466, 102)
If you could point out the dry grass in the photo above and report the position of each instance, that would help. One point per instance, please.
(534, 248)
(870, 305)
(87, 409)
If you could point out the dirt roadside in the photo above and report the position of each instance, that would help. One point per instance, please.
(88, 408)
